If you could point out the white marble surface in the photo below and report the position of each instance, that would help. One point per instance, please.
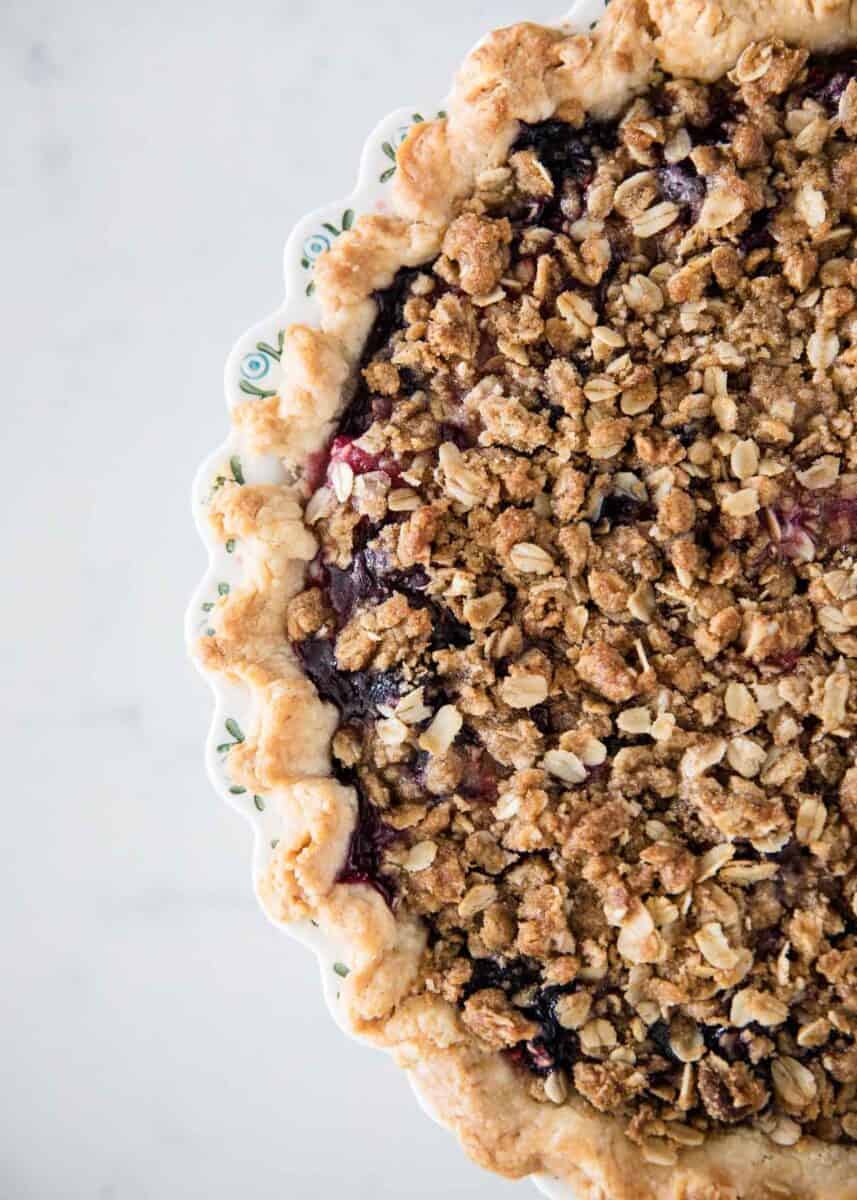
(158, 1039)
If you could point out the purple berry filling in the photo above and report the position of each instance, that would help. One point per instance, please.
(566, 152)
(350, 587)
(809, 519)
(364, 408)
(758, 235)
(828, 77)
(448, 632)
(682, 184)
(621, 509)
(555, 1046)
(368, 842)
(357, 694)
(481, 774)
(570, 157)
(725, 1042)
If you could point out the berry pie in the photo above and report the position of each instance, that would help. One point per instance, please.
(552, 633)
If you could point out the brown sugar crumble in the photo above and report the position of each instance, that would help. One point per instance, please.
(587, 601)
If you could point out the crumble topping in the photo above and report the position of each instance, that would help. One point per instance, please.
(586, 602)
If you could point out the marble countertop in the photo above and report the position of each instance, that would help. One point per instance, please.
(160, 1040)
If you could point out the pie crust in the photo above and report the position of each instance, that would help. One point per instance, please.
(524, 74)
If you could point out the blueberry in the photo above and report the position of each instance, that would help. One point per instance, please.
(828, 77)
(448, 632)
(391, 309)
(540, 715)
(568, 155)
(362, 410)
(382, 408)
(554, 1044)
(533, 212)
(831, 93)
(540, 1058)
(559, 1043)
(659, 1033)
(510, 976)
(460, 435)
(414, 580)
(559, 147)
(686, 434)
(682, 184)
(767, 943)
(368, 841)
(621, 509)
(357, 694)
(354, 585)
(479, 781)
(758, 234)
(726, 1042)
(724, 113)
(358, 416)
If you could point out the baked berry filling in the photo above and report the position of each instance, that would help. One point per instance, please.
(371, 837)
(586, 600)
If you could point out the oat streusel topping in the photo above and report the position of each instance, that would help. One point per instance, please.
(587, 602)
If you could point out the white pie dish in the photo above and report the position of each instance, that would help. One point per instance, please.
(252, 369)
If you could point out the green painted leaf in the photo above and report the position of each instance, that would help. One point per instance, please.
(236, 468)
(260, 803)
(250, 389)
(208, 606)
(269, 350)
(310, 288)
(305, 263)
(230, 546)
(441, 112)
(210, 632)
(281, 337)
(223, 589)
(237, 791)
(275, 843)
(417, 118)
(330, 228)
(348, 218)
(233, 728)
(225, 747)
(341, 970)
(388, 174)
(388, 150)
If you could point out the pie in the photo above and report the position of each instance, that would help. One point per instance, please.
(552, 631)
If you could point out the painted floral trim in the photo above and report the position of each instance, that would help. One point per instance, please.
(401, 133)
(320, 242)
(257, 365)
(258, 802)
(236, 471)
(235, 732)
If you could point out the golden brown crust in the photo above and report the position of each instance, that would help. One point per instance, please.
(319, 816)
(703, 39)
(479, 1097)
(525, 73)
(529, 73)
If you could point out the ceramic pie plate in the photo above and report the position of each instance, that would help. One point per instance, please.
(252, 370)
